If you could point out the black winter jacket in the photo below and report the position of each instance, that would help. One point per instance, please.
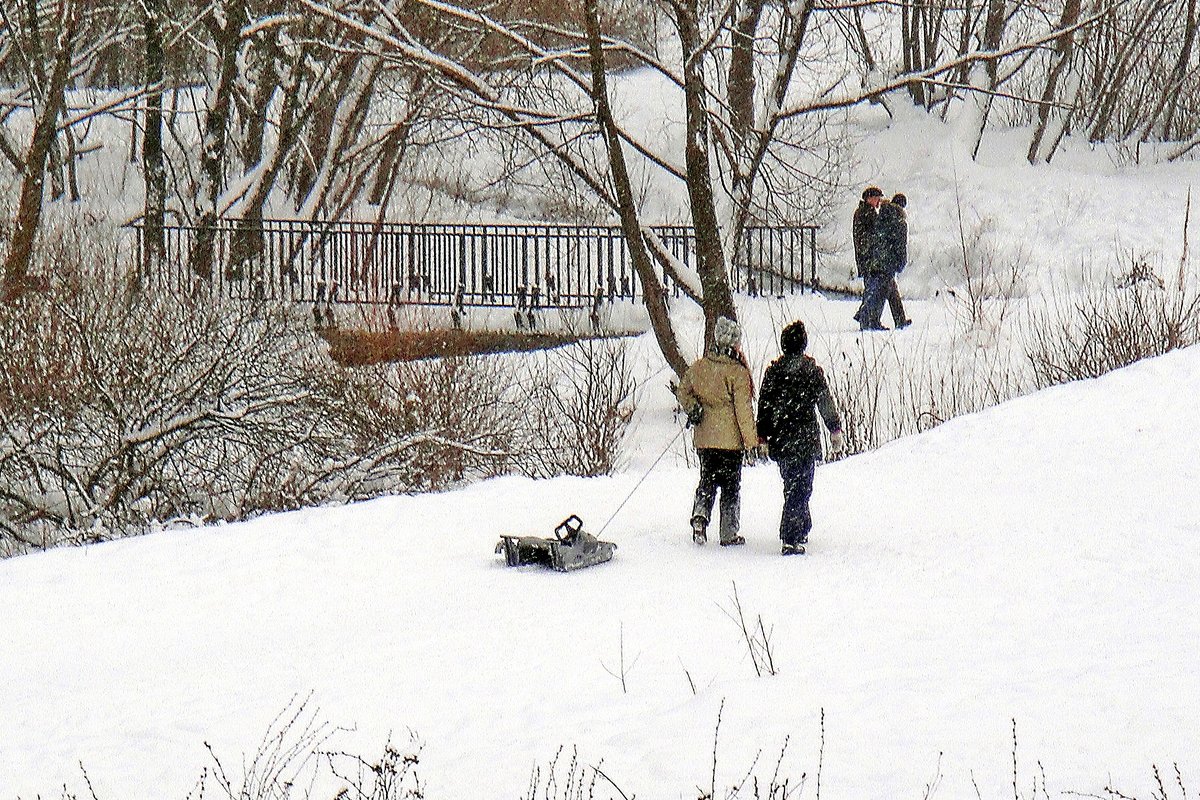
(793, 390)
(892, 230)
(866, 239)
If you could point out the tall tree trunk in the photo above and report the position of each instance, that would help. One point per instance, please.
(155, 175)
(631, 228)
(29, 206)
(1052, 120)
(39, 79)
(1115, 79)
(247, 241)
(1160, 123)
(748, 166)
(983, 76)
(349, 116)
(741, 80)
(710, 257)
(225, 24)
(911, 46)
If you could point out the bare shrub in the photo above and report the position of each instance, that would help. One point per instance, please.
(755, 635)
(987, 276)
(286, 763)
(294, 760)
(622, 670)
(579, 399)
(119, 410)
(123, 409)
(856, 381)
(775, 786)
(1089, 333)
(577, 781)
(883, 393)
(572, 781)
(391, 776)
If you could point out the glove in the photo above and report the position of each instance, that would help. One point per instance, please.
(837, 442)
(754, 455)
(694, 415)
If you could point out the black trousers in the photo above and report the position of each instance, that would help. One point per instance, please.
(720, 469)
(895, 303)
(796, 520)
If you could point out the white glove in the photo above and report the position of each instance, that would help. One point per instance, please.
(837, 442)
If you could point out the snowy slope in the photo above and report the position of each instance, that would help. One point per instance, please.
(1037, 561)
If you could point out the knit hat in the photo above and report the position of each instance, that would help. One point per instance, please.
(899, 200)
(794, 339)
(872, 191)
(727, 334)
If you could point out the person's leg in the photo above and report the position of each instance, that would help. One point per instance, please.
(706, 493)
(874, 296)
(896, 304)
(730, 481)
(789, 522)
(796, 520)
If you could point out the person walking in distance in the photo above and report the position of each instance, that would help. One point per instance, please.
(794, 390)
(868, 261)
(893, 248)
(717, 392)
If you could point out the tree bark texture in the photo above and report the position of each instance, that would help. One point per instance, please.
(225, 29)
(631, 228)
(153, 169)
(1045, 134)
(29, 205)
(710, 257)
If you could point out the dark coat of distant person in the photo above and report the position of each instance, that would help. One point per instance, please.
(892, 235)
(866, 241)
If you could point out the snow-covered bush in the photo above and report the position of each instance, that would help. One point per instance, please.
(124, 408)
(1072, 336)
(984, 274)
(580, 400)
(883, 392)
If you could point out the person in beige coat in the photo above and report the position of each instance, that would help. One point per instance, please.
(717, 391)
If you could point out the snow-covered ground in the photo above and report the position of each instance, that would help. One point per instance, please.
(1037, 562)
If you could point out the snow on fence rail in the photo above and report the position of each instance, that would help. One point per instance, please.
(393, 264)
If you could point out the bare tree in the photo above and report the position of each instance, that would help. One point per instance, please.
(153, 168)
(224, 22)
(48, 104)
(1062, 81)
(734, 68)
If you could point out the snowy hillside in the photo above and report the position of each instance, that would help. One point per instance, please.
(1034, 562)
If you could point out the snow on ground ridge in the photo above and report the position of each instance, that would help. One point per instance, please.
(1035, 561)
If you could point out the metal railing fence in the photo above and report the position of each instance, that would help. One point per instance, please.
(392, 264)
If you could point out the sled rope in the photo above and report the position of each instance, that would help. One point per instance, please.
(643, 479)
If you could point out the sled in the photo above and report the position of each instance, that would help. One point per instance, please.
(571, 548)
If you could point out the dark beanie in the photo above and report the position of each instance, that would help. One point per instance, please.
(872, 191)
(794, 339)
(900, 200)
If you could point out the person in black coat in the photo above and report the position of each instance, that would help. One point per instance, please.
(868, 258)
(892, 228)
(794, 390)
(865, 218)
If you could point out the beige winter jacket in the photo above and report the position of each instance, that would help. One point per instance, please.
(721, 385)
